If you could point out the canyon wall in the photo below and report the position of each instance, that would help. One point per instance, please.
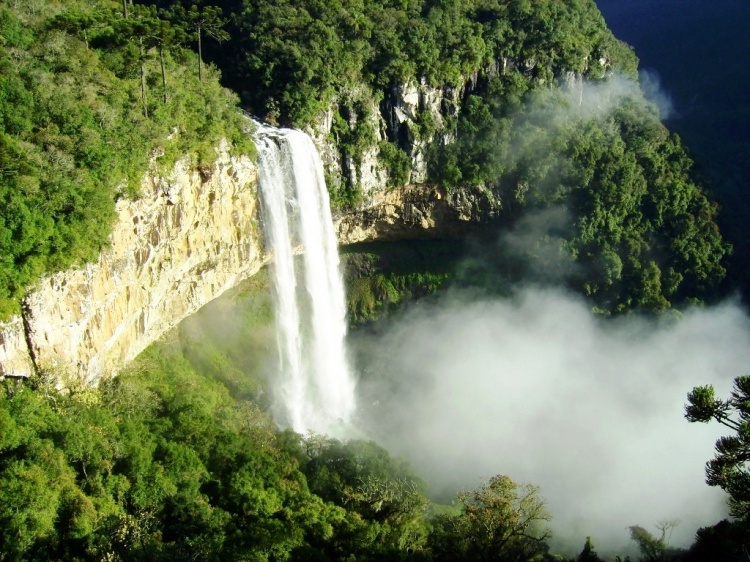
(194, 234)
(191, 236)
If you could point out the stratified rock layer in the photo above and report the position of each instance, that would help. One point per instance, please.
(418, 211)
(190, 237)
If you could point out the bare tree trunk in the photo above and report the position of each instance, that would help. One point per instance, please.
(200, 57)
(125, 9)
(163, 72)
(143, 79)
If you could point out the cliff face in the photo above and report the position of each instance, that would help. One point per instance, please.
(399, 117)
(189, 237)
(418, 211)
(411, 116)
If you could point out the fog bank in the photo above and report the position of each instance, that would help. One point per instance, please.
(539, 388)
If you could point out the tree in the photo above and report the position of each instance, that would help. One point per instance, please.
(165, 35)
(81, 23)
(207, 20)
(588, 554)
(502, 520)
(651, 548)
(140, 29)
(362, 477)
(162, 34)
(728, 469)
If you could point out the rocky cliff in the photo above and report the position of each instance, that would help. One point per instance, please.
(398, 118)
(409, 118)
(418, 211)
(191, 236)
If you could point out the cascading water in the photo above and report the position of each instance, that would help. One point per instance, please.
(315, 388)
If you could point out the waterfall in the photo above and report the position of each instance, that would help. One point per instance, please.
(315, 388)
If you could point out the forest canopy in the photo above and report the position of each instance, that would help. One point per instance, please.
(176, 459)
(87, 98)
(90, 96)
(288, 58)
(549, 116)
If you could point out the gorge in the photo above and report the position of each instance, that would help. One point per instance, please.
(559, 293)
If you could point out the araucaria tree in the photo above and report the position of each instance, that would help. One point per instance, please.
(200, 22)
(728, 469)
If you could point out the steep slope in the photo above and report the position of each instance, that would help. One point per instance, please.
(682, 41)
(514, 113)
(88, 98)
(185, 241)
(433, 112)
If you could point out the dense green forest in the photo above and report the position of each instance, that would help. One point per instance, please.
(678, 40)
(90, 96)
(640, 229)
(162, 463)
(87, 98)
(178, 458)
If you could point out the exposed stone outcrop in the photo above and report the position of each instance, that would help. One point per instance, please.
(401, 117)
(418, 211)
(15, 359)
(188, 238)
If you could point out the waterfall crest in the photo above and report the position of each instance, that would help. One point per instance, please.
(315, 389)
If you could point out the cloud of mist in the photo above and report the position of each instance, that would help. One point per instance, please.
(585, 100)
(536, 244)
(655, 93)
(537, 387)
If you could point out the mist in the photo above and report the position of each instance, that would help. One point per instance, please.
(536, 387)
(656, 94)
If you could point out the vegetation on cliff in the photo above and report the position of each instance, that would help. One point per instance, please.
(179, 457)
(548, 115)
(87, 98)
(640, 231)
(299, 54)
(90, 95)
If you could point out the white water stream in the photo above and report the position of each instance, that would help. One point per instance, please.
(315, 389)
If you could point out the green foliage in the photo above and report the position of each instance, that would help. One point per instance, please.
(353, 132)
(642, 233)
(157, 463)
(382, 278)
(502, 520)
(177, 458)
(396, 161)
(200, 22)
(655, 549)
(385, 500)
(727, 540)
(299, 53)
(703, 406)
(588, 554)
(728, 469)
(79, 123)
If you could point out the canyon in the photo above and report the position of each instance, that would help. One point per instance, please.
(192, 235)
